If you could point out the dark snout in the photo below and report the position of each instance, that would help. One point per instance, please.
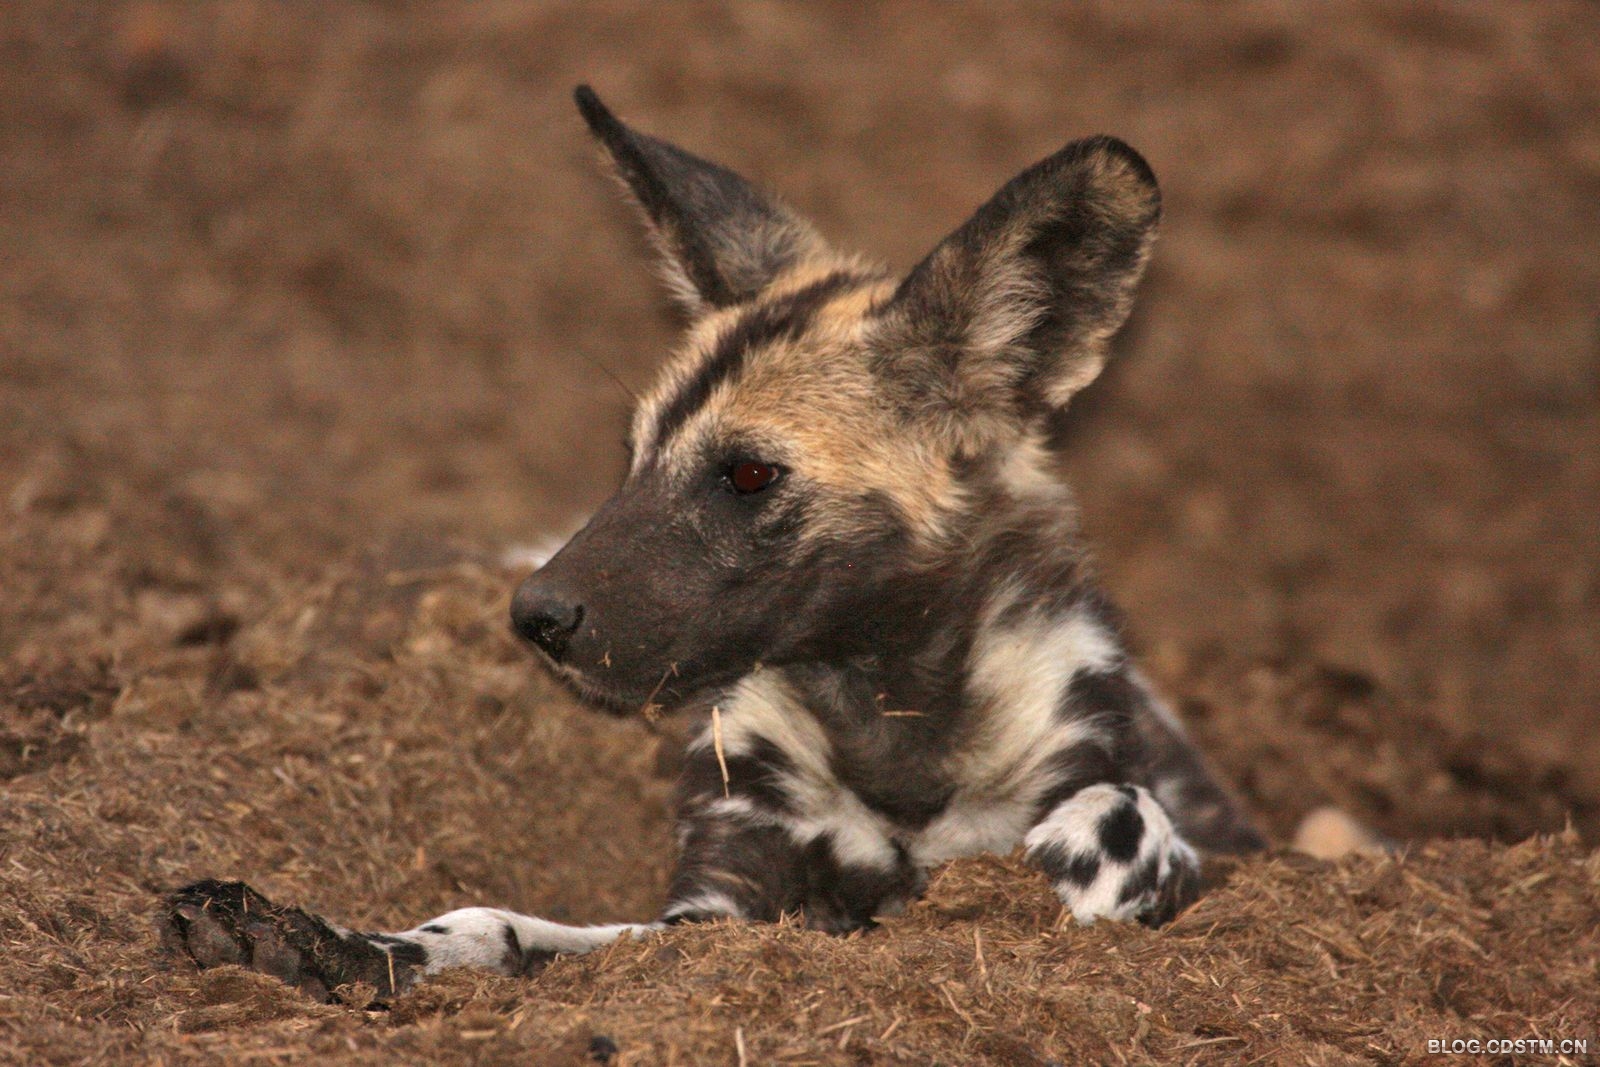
(546, 614)
(636, 609)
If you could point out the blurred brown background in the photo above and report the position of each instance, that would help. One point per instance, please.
(296, 294)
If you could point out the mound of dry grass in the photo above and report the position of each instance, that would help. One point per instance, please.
(393, 756)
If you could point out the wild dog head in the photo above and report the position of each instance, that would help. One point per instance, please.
(810, 476)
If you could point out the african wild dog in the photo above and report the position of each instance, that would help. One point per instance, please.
(844, 543)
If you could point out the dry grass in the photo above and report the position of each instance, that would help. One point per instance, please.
(379, 771)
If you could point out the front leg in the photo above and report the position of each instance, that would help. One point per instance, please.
(771, 839)
(1112, 852)
(736, 859)
(228, 922)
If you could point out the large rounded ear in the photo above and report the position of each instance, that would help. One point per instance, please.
(723, 240)
(1014, 310)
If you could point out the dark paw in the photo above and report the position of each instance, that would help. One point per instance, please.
(216, 923)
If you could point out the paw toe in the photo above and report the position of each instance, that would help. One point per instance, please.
(1171, 894)
(208, 941)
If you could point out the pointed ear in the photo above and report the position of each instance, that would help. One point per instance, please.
(1023, 298)
(723, 240)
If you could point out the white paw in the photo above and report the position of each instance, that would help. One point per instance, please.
(1112, 852)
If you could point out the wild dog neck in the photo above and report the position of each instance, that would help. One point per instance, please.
(976, 706)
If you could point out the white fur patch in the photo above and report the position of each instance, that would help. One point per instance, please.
(1028, 473)
(965, 829)
(762, 707)
(860, 836)
(476, 937)
(741, 809)
(706, 902)
(1019, 674)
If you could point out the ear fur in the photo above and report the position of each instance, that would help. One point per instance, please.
(723, 240)
(1015, 309)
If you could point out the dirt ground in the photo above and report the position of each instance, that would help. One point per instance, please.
(312, 313)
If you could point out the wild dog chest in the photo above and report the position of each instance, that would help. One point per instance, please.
(878, 785)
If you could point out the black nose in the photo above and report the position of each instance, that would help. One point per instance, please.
(545, 616)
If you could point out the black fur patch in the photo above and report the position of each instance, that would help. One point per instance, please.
(513, 942)
(402, 950)
(840, 897)
(520, 960)
(763, 324)
(680, 918)
(1120, 830)
(1082, 870)
(1071, 770)
(768, 875)
(857, 706)
(757, 867)
(1079, 869)
(1109, 697)
(435, 928)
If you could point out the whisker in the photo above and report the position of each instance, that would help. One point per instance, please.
(609, 373)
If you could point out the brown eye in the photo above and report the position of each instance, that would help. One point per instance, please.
(752, 477)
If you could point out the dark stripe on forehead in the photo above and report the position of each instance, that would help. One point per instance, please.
(782, 319)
